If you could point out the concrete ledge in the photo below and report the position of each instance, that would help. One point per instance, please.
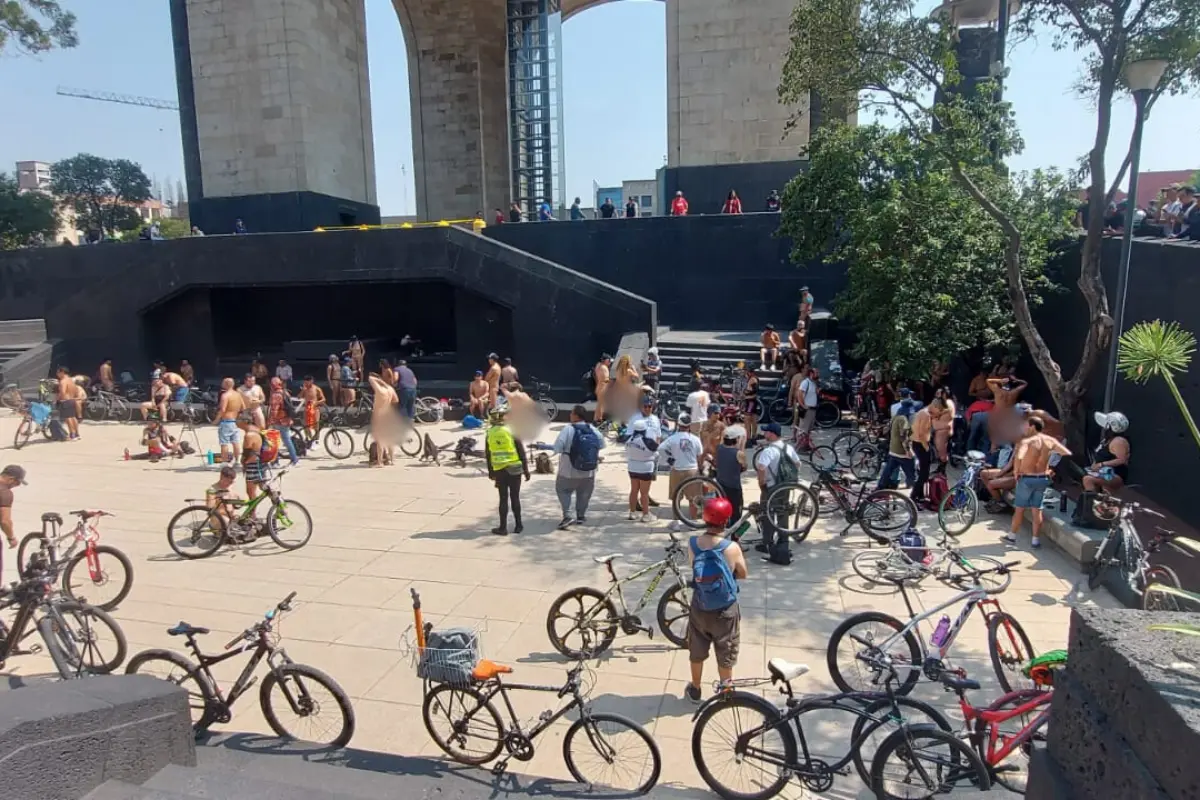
(1078, 544)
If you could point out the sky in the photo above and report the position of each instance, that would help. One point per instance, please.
(615, 103)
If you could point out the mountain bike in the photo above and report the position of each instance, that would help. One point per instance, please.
(11, 397)
(593, 615)
(199, 530)
(465, 724)
(428, 409)
(339, 442)
(960, 506)
(466, 447)
(304, 690)
(882, 514)
(752, 734)
(1122, 551)
(104, 404)
(790, 507)
(109, 572)
(35, 418)
(912, 564)
(872, 637)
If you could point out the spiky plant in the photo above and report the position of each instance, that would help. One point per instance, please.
(1158, 348)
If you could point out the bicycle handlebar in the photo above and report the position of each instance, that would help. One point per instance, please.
(85, 513)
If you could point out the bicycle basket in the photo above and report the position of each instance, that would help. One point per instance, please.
(449, 656)
(40, 412)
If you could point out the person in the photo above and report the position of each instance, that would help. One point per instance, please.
(506, 462)
(977, 415)
(406, 382)
(525, 417)
(729, 464)
(773, 204)
(386, 373)
(220, 493)
(769, 468)
(651, 368)
(1031, 468)
(796, 337)
(333, 376)
(69, 393)
(477, 396)
(654, 426)
(105, 375)
(252, 393)
(253, 464)
(544, 213)
(11, 477)
(769, 351)
(745, 389)
(805, 409)
(682, 451)
(492, 376)
(920, 435)
(283, 371)
(383, 419)
(714, 617)
(631, 208)
(158, 443)
(600, 375)
(230, 407)
(313, 399)
(478, 224)
(258, 368)
(279, 417)
(1112, 454)
(624, 389)
(697, 405)
(349, 379)
(576, 212)
(900, 450)
(177, 385)
(733, 204)
(942, 412)
(196, 231)
(1004, 428)
(358, 354)
(497, 217)
(508, 373)
(679, 205)
(239, 227)
(514, 212)
(979, 384)
(642, 465)
(577, 444)
(607, 209)
(711, 433)
(806, 304)
(188, 372)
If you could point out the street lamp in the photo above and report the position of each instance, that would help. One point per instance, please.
(1142, 77)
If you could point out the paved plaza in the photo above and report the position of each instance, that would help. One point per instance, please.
(380, 532)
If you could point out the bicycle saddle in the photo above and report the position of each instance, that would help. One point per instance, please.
(957, 683)
(50, 516)
(486, 670)
(183, 629)
(786, 670)
(606, 559)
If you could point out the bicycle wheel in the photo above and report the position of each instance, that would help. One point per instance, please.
(1157, 601)
(1013, 771)
(96, 410)
(32, 543)
(1010, 650)
(107, 585)
(778, 411)
(410, 442)
(690, 497)
(289, 524)
(886, 566)
(828, 414)
(590, 614)
(306, 692)
(196, 532)
(24, 431)
(887, 513)
(926, 760)
(121, 411)
(865, 461)
(792, 509)
(957, 511)
(339, 443)
(823, 458)
(11, 398)
(469, 718)
(748, 735)
(549, 408)
(877, 722)
(614, 753)
(843, 445)
(872, 635)
(168, 666)
(673, 609)
(81, 633)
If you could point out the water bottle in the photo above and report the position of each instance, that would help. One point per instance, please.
(741, 531)
(939, 633)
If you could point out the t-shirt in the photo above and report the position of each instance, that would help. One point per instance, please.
(697, 403)
(641, 459)
(685, 448)
(653, 425)
(6, 497)
(768, 459)
(562, 446)
(284, 373)
(406, 378)
(808, 392)
(899, 443)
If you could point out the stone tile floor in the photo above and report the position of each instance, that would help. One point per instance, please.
(380, 532)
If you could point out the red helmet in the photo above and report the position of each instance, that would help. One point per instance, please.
(717, 511)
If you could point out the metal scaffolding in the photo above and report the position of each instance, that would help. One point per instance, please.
(535, 104)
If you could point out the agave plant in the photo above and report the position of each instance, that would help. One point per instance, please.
(1158, 348)
(1182, 594)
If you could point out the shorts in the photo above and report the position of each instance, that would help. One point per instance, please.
(67, 409)
(642, 476)
(181, 394)
(254, 471)
(311, 416)
(720, 629)
(228, 432)
(750, 407)
(1030, 491)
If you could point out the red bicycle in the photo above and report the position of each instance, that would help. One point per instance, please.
(109, 574)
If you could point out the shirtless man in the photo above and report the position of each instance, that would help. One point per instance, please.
(219, 491)
(230, 408)
(313, 399)
(1031, 468)
(712, 433)
(493, 379)
(478, 393)
(383, 419)
(160, 395)
(1003, 427)
(258, 369)
(187, 372)
(358, 354)
(252, 465)
(106, 375)
(69, 393)
(333, 374)
(602, 376)
(254, 398)
(508, 373)
(796, 338)
(82, 381)
(178, 386)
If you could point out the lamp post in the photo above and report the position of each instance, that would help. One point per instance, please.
(1142, 78)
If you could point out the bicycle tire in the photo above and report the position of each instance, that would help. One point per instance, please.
(427, 409)
(549, 408)
(987, 565)
(302, 673)
(96, 410)
(1104, 553)
(338, 443)
(823, 458)
(588, 724)
(772, 721)
(779, 504)
(434, 701)
(23, 551)
(1004, 660)
(410, 442)
(55, 649)
(966, 764)
(200, 698)
(1160, 601)
(11, 398)
(606, 631)
(866, 460)
(844, 443)
(210, 518)
(694, 492)
(907, 682)
(104, 553)
(24, 431)
(120, 410)
(673, 606)
(828, 414)
(950, 503)
(859, 732)
(886, 566)
(887, 521)
(779, 411)
(284, 516)
(80, 612)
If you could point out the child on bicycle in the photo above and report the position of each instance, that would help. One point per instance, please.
(714, 618)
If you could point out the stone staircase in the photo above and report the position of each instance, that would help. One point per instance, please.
(714, 350)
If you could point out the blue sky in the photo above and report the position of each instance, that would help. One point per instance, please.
(615, 100)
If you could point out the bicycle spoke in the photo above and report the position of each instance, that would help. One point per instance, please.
(612, 755)
(729, 754)
(306, 700)
(922, 767)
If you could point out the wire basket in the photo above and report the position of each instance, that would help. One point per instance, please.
(449, 656)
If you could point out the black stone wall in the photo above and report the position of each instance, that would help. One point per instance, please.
(706, 187)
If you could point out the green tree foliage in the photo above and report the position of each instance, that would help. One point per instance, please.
(102, 191)
(922, 255)
(26, 218)
(35, 26)
(890, 56)
(175, 228)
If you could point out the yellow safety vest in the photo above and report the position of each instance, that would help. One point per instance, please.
(502, 449)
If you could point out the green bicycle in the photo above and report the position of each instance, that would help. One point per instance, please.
(199, 530)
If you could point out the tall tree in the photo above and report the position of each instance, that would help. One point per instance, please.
(104, 192)
(882, 54)
(35, 26)
(26, 218)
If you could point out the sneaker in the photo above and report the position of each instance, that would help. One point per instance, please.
(580, 521)
(654, 503)
(631, 516)
(778, 562)
(692, 693)
(1010, 538)
(1035, 542)
(519, 529)
(648, 517)
(500, 531)
(566, 523)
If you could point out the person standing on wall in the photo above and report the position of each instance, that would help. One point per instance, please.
(631, 208)
(578, 446)
(506, 462)
(576, 212)
(679, 206)
(733, 204)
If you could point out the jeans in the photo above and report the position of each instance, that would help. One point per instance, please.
(582, 488)
(921, 453)
(977, 437)
(778, 547)
(891, 466)
(285, 433)
(408, 401)
(508, 484)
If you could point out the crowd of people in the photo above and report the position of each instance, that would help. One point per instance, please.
(632, 209)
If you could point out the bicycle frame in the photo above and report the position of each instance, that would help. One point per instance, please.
(972, 597)
(666, 565)
(992, 754)
(85, 532)
(262, 649)
(497, 687)
(841, 494)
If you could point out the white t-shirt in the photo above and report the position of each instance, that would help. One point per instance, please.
(697, 403)
(653, 425)
(768, 459)
(808, 391)
(641, 459)
(684, 447)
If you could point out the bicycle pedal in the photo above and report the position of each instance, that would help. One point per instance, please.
(499, 767)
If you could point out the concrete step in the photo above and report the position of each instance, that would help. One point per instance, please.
(290, 765)
(120, 790)
(221, 783)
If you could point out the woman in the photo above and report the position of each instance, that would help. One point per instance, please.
(624, 390)
(733, 205)
(942, 411)
(1109, 470)
(642, 466)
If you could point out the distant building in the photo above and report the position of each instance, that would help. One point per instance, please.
(644, 193)
(33, 176)
(152, 210)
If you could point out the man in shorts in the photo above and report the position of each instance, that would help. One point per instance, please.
(228, 434)
(716, 628)
(1031, 467)
(682, 451)
(69, 393)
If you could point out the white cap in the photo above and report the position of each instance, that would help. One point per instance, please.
(1114, 421)
(639, 425)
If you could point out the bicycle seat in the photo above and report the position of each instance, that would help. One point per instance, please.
(786, 670)
(486, 670)
(607, 559)
(958, 683)
(50, 516)
(183, 629)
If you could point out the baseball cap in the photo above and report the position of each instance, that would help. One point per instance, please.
(906, 392)
(772, 427)
(647, 400)
(478, 373)
(15, 472)
(684, 420)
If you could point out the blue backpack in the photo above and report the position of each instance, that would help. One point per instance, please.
(585, 448)
(712, 580)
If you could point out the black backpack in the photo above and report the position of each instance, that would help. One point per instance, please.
(589, 382)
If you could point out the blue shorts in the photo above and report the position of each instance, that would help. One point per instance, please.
(1030, 491)
(227, 432)
(181, 394)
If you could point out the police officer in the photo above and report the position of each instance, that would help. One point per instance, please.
(506, 463)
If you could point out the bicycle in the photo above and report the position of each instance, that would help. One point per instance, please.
(466, 446)
(792, 516)
(961, 500)
(104, 404)
(771, 741)
(295, 682)
(900, 642)
(69, 629)
(539, 391)
(428, 409)
(209, 527)
(829, 409)
(64, 560)
(1122, 549)
(597, 619)
(913, 563)
(339, 442)
(882, 514)
(35, 418)
(463, 687)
